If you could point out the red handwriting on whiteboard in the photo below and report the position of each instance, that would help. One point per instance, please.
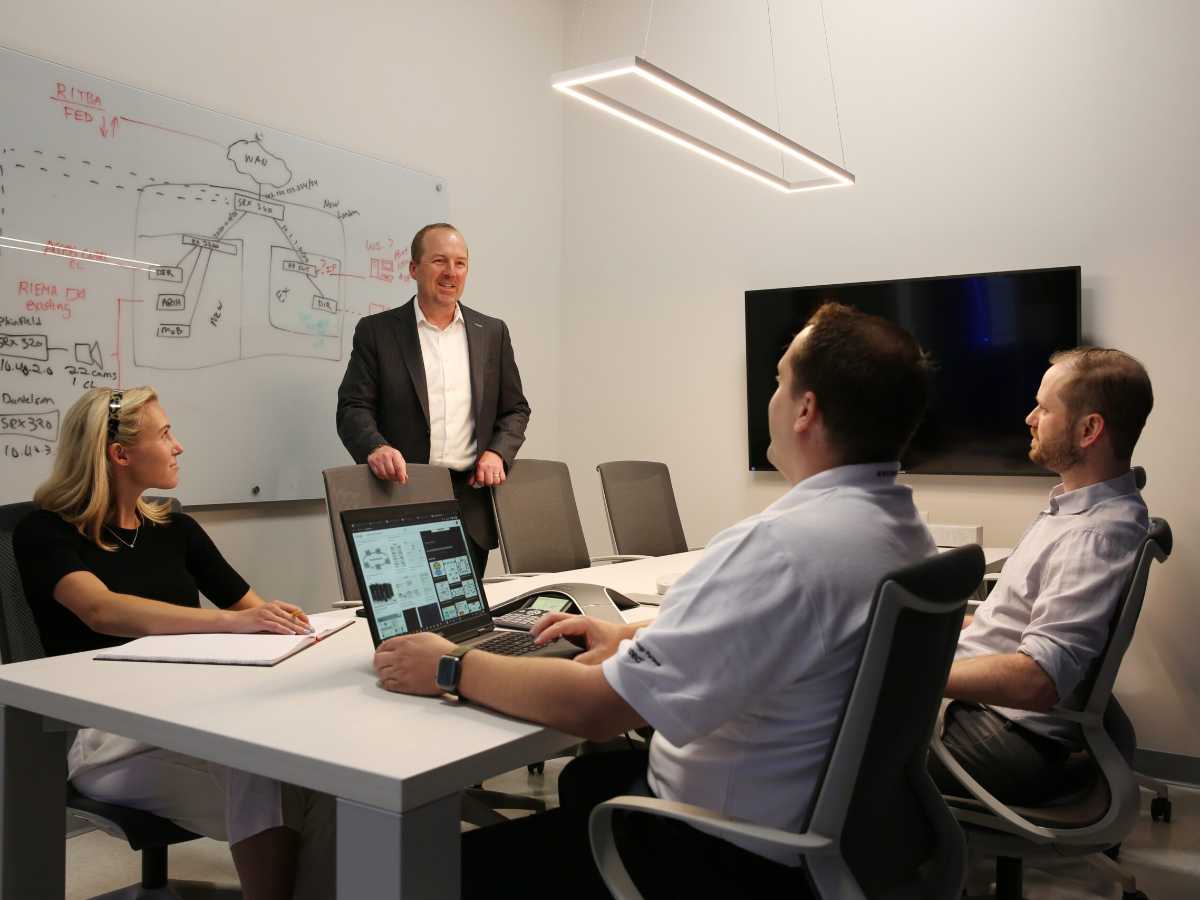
(81, 105)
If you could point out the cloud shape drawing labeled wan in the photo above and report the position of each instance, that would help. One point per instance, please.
(251, 158)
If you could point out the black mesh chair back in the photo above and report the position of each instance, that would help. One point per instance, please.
(354, 487)
(19, 638)
(639, 501)
(898, 837)
(538, 520)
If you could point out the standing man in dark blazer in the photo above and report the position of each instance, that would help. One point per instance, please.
(435, 382)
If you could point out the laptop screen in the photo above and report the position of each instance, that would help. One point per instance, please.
(414, 568)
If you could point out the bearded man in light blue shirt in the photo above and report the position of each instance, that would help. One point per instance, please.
(1036, 640)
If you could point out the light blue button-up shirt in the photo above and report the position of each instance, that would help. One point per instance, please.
(745, 671)
(1058, 591)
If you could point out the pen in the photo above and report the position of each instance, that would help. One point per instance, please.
(311, 630)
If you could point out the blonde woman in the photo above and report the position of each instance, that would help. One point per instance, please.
(100, 564)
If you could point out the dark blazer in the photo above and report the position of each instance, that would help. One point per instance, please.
(383, 398)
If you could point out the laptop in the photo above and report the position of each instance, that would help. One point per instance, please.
(415, 573)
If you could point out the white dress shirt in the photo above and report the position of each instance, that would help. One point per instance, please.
(1058, 590)
(746, 670)
(448, 381)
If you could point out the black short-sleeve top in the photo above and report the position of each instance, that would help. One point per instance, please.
(172, 562)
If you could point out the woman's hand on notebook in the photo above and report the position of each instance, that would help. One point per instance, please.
(408, 664)
(275, 617)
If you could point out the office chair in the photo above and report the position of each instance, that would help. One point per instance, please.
(538, 521)
(354, 487)
(1098, 804)
(877, 828)
(639, 504)
(149, 834)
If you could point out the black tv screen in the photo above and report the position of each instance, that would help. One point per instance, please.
(990, 337)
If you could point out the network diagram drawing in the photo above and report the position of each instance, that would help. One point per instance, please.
(239, 273)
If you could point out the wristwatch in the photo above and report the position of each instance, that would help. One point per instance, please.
(449, 670)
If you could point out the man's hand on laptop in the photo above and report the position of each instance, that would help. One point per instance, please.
(599, 638)
(387, 463)
(408, 664)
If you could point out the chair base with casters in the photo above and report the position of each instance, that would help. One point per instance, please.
(1160, 805)
(1010, 875)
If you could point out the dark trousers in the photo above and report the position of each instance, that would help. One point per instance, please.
(1013, 764)
(475, 505)
(549, 855)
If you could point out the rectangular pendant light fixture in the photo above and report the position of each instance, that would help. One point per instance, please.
(578, 83)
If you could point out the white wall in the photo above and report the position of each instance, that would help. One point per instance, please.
(985, 136)
(454, 88)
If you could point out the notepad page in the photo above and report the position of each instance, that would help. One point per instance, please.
(226, 649)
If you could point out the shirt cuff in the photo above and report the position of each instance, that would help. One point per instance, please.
(1049, 655)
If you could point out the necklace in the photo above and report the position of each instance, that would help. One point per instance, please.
(121, 540)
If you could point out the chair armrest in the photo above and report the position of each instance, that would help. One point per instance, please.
(617, 558)
(1016, 824)
(760, 837)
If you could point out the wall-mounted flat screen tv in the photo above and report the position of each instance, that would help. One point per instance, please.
(990, 337)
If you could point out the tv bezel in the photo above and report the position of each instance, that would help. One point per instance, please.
(759, 292)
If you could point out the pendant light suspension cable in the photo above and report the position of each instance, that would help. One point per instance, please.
(837, 117)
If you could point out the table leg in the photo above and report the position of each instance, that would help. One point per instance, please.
(384, 855)
(33, 795)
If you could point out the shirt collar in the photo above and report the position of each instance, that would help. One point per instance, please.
(421, 320)
(869, 475)
(1082, 499)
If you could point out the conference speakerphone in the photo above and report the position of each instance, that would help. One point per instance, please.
(589, 599)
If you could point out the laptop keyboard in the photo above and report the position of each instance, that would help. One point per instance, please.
(511, 643)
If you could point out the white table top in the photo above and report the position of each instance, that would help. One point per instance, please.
(317, 719)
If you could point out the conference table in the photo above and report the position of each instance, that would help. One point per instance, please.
(396, 764)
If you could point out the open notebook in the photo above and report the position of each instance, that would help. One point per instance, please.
(228, 649)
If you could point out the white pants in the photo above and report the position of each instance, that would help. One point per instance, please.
(215, 801)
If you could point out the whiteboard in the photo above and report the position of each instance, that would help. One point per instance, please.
(144, 240)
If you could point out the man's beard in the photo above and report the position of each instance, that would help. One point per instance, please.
(1058, 455)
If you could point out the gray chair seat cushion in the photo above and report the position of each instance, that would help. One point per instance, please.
(1083, 800)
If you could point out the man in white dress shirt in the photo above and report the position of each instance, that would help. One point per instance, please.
(436, 382)
(745, 671)
(1037, 639)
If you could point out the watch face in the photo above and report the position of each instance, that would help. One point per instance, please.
(447, 673)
